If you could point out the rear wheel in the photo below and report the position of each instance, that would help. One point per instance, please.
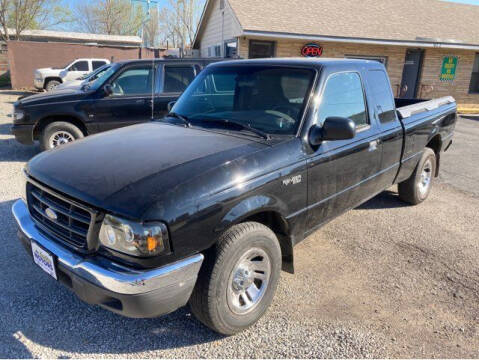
(417, 188)
(59, 133)
(52, 84)
(238, 280)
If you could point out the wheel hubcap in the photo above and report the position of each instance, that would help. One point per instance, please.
(60, 138)
(248, 281)
(426, 176)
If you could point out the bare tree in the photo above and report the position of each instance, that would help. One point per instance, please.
(179, 20)
(21, 15)
(112, 17)
(152, 28)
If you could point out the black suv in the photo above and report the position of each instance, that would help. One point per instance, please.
(130, 92)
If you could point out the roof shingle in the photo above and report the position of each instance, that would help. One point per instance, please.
(407, 20)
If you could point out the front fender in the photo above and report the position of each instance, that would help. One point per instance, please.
(249, 207)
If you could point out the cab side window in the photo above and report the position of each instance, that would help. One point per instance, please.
(343, 96)
(79, 66)
(134, 81)
(381, 92)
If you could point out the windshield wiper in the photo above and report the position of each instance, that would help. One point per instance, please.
(181, 117)
(247, 127)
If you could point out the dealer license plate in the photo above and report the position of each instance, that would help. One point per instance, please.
(44, 259)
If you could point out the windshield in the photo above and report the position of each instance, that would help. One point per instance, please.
(267, 98)
(100, 78)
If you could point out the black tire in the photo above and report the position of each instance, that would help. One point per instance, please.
(413, 189)
(66, 128)
(210, 301)
(51, 84)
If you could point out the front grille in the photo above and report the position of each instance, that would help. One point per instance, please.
(73, 224)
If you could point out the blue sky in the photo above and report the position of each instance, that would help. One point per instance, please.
(472, 2)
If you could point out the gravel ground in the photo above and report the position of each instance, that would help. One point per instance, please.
(383, 280)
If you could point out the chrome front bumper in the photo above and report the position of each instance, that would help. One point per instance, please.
(133, 293)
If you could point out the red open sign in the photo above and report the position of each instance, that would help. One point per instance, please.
(312, 50)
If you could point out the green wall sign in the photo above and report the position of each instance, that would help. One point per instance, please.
(448, 70)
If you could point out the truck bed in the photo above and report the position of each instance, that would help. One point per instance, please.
(408, 107)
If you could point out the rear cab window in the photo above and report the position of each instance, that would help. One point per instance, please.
(380, 90)
(97, 64)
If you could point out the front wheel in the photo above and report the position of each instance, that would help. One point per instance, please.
(416, 189)
(52, 84)
(238, 280)
(59, 133)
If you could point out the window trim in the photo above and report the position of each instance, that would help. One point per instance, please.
(161, 89)
(359, 128)
(273, 43)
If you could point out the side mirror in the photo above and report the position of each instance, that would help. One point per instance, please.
(108, 89)
(334, 128)
(170, 105)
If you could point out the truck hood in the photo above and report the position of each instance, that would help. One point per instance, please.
(68, 94)
(125, 171)
(48, 71)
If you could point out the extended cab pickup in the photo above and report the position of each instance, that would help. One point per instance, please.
(127, 93)
(206, 205)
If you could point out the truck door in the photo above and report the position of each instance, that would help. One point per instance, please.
(173, 80)
(390, 130)
(343, 173)
(77, 69)
(131, 100)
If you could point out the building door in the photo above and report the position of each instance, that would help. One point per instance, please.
(411, 73)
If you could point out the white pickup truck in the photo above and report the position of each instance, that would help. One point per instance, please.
(49, 78)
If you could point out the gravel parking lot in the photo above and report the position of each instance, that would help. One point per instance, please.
(383, 280)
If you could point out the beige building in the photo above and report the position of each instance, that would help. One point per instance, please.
(429, 47)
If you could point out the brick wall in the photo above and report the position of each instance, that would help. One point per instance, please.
(26, 56)
(430, 85)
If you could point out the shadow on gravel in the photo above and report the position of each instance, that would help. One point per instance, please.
(470, 117)
(385, 200)
(5, 129)
(16, 92)
(36, 312)
(12, 151)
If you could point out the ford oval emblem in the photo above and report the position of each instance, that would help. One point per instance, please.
(52, 215)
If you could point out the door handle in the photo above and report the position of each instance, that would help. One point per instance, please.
(373, 145)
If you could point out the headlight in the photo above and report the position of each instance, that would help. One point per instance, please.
(133, 238)
(18, 114)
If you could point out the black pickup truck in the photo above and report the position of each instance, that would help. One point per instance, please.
(205, 206)
(129, 92)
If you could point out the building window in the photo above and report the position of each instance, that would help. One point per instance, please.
(261, 49)
(231, 47)
(217, 50)
(474, 85)
(209, 51)
(382, 59)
